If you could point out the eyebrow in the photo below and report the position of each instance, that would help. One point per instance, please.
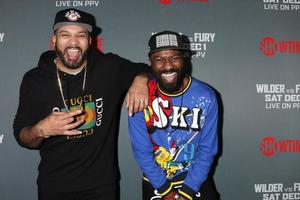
(80, 32)
(177, 54)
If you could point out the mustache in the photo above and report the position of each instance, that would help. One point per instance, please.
(73, 47)
(168, 71)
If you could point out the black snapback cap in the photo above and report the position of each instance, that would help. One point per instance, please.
(168, 40)
(73, 16)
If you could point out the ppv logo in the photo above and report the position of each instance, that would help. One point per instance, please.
(269, 146)
(269, 46)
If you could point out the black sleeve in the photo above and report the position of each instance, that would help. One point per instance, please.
(25, 112)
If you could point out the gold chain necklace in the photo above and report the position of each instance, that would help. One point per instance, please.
(61, 89)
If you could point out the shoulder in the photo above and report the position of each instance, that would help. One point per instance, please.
(32, 73)
(201, 88)
(45, 67)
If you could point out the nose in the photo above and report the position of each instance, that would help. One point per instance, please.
(73, 41)
(168, 64)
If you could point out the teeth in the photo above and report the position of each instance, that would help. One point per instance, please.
(168, 75)
(73, 52)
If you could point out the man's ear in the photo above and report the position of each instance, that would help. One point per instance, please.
(53, 39)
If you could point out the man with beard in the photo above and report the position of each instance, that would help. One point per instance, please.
(69, 109)
(175, 139)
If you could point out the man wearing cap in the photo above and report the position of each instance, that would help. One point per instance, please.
(175, 139)
(69, 109)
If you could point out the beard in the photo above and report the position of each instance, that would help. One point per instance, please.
(75, 63)
(170, 86)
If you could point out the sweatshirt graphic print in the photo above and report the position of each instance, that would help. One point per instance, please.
(176, 134)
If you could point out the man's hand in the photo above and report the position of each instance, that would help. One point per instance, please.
(171, 196)
(181, 198)
(60, 123)
(137, 95)
(57, 123)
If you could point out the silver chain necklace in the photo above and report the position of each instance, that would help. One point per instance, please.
(61, 89)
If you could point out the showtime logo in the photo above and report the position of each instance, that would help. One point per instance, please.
(270, 46)
(269, 146)
(165, 2)
(96, 42)
(168, 2)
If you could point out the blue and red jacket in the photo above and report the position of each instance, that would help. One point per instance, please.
(176, 134)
